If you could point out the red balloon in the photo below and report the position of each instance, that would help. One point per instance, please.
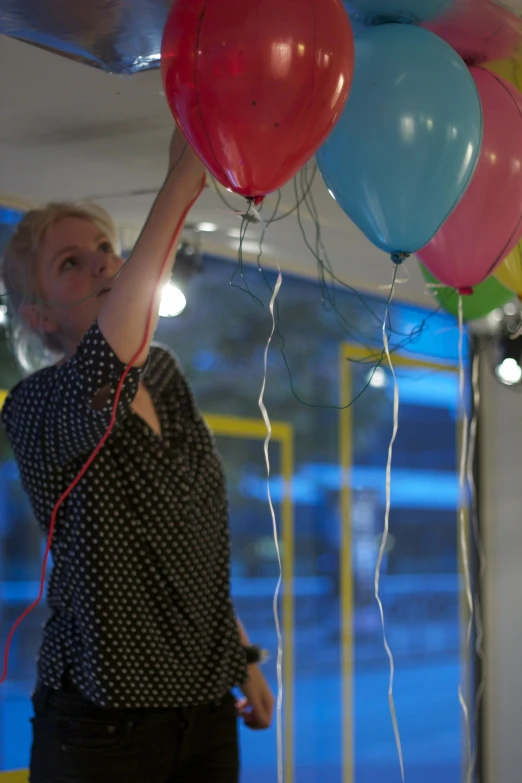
(256, 86)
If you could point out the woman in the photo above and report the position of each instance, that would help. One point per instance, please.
(142, 647)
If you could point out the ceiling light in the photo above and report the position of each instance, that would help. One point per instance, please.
(173, 301)
(209, 227)
(3, 315)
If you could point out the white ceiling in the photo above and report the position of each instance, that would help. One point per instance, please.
(69, 131)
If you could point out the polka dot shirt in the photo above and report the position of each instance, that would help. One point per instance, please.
(139, 592)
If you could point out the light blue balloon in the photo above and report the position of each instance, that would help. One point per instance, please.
(406, 146)
(370, 11)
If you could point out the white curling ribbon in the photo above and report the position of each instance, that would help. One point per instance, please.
(463, 475)
(385, 536)
(397, 281)
(257, 215)
(251, 210)
(266, 419)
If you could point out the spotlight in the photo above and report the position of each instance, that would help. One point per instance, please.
(173, 301)
(508, 357)
(377, 378)
(189, 263)
(509, 372)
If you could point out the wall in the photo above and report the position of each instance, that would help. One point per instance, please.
(501, 496)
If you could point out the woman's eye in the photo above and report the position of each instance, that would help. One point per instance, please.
(68, 263)
(106, 247)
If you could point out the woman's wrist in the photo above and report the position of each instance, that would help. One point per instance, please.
(185, 166)
(254, 654)
(190, 181)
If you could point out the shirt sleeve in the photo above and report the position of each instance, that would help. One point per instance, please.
(65, 411)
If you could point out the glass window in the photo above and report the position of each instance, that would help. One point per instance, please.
(335, 713)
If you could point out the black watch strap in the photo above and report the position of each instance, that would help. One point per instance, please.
(254, 654)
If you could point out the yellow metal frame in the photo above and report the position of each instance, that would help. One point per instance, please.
(349, 352)
(18, 776)
(282, 434)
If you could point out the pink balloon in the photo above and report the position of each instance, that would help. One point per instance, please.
(486, 224)
(479, 30)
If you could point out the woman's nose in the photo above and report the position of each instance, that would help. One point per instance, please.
(105, 264)
(100, 265)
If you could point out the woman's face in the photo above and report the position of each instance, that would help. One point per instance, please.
(75, 270)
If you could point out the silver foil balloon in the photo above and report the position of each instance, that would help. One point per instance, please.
(119, 36)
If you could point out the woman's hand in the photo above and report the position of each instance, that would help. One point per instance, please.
(257, 707)
(184, 161)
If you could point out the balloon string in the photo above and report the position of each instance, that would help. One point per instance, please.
(387, 527)
(463, 474)
(479, 633)
(266, 418)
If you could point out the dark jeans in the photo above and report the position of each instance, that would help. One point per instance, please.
(75, 741)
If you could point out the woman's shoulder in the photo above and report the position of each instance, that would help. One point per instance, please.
(26, 401)
(32, 387)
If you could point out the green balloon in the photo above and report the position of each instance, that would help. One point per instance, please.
(487, 296)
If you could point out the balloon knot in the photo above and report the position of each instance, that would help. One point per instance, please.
(472, 59)
(257, 200)
(398, 258)
(465, 291)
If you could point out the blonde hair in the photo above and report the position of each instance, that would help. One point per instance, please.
(18, 272)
